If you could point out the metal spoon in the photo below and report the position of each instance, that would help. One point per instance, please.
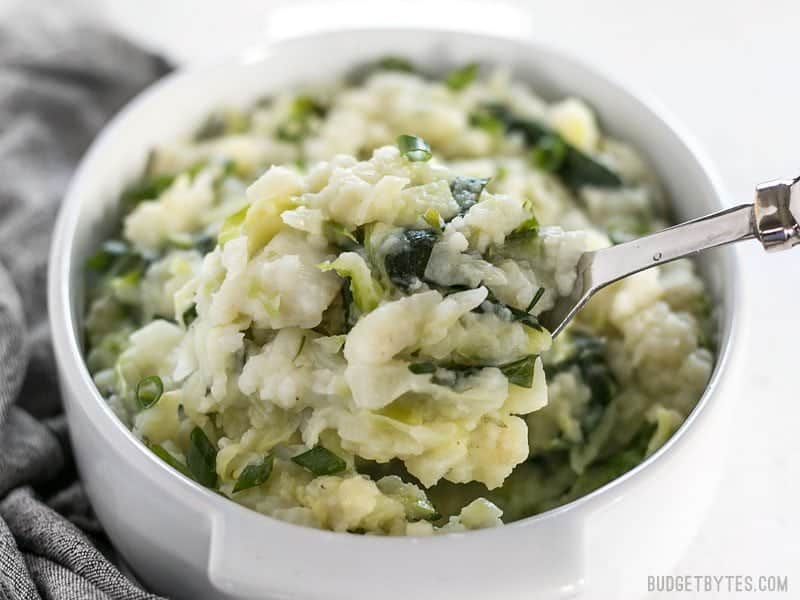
(774, 219)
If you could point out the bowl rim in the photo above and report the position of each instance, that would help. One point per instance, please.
(71, 362)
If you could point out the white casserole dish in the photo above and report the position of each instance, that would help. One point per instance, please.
(186, 542)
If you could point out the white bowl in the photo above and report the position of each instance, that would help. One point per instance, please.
(187, 542)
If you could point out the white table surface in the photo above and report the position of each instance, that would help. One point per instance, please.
(728, 69)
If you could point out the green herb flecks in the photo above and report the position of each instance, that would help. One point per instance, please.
(189, 315)
(122, 268)
(422, 368)
(482, 119)
(520, 372)
(147, 188)
(549, 153)
(169, 458)
(528, 229)
(511, 313)
(536, 297)
(202, 242)
(299, 123)
(202, 458)
(126, 285)
(395, 63)
(608, 469)
(589, 357)
(222, 123)
(149, 391)
(339, 235)
(213, 127)
(460, 78)
(349, 308)
(254, 475)
(320, 461)
(414, 148)
(109, 252)
(524, 317)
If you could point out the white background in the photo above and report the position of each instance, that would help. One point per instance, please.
(730, 71)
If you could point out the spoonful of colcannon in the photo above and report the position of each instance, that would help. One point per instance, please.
(773, 219)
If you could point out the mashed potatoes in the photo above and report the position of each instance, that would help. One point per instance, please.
(325, 306)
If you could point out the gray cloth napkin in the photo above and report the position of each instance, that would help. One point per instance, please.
(59, 83)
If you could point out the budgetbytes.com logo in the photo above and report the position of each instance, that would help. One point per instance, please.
(718, 583)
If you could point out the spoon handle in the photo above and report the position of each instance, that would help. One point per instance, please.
(774, 219)
(611, 264)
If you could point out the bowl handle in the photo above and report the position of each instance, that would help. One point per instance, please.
(253, 556)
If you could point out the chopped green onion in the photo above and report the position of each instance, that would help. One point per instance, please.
(395, 63)
(304, 106)
(189, 315)
(487, 122)
(125, 287)
(492, 304)
(195, 169)
(549, 153)
(237, 122)
(299, 122)
(527, 229)
(520, 372)
(254, 475)
(422, 368)
(213, 127)
(202, 242)
(202, 458)
(536, 297)
(229, 167)
(148, 188)
(168, 458)
(414, 148)
(521, 316)
(221, 123)
(339, 235)
(108, 253)
(149, 391)
(589, 356)
(461, 78)
(320, 461)
(291, 131)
